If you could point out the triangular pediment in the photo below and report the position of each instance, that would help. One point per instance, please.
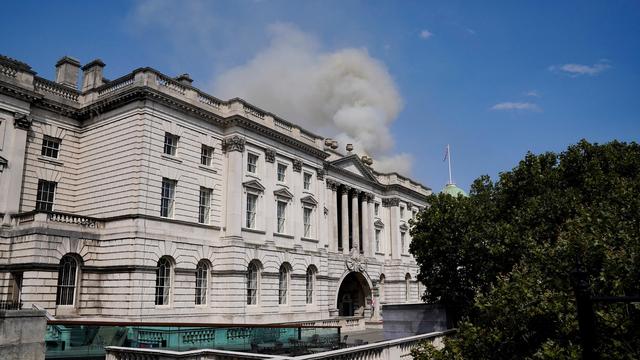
(283, 192)
(309, 200)
(403, 226)
(354, 165)
(379, 224)
(254, 185)
(3, 161)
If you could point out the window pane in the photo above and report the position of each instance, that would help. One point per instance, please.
(163, 282)
(201, 283)
(50, 147)
(170, 143)
(252, 162)
(252, 200)
(206, 155)
(167, 197)
(306, 220)
(307, 181)
(282, 169)
(281, 213)
(204, 205)
(45, 195)
(66, 281)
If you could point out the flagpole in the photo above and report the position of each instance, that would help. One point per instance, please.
(449, 157)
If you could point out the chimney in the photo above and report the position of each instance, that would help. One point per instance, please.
(67, 69)
(92, 75)
(184, 79)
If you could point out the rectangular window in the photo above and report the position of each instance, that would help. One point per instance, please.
(281, 210)
(252, 201)
(306, 220)
(402, 244)
(377, 240)
(252, 163)
(45, 196)
(167, 198)
(401, 212)
(206, 155)
(170, 144)
(205, 205)
(50, 147)
(282, 172)
(413, 214)
(306, 181)
(376, 209)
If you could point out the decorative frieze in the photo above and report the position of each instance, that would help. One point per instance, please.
(389, 202)
(297, 165)
(355, 261)
(234, 143)
(22, 121)
(270, 155)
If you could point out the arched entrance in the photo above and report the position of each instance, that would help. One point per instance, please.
(354, 295)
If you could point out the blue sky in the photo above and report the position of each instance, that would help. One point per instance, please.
(494, 79)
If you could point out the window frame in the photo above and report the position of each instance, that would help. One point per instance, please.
(252, 155)
(170, 148)
(164, 279)
(250, 216)
(67, 286)
(206, 155)
(202, 283)
(310, 285)
(168, 195)
(281, 176)
(204, 205)
(53, 151)
(307, 223)
(42, 203)
(281, 218)
(253, 277)
(403, 240)
(284, 283)
(377, 235)
(306, 185)
(376, 209)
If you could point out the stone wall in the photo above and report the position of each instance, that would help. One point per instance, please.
(22, 334)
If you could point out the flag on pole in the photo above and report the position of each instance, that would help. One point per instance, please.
(446, 153)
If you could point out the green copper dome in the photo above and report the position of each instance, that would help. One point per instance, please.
(453, 190)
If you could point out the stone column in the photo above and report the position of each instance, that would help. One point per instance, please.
(14, 148)
(345, 219)
(354, 220)
(372, 228)
(366, 239)
(332, 226)
(394, 226)
(234, 148)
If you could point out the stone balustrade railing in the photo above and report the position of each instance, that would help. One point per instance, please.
(44, 86)
(59, 217)
(384, 350)
(115, 85)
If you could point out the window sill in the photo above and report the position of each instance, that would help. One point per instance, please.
(207, 168)
(283, 235)
(171, 158)
(380, 253)
(256, 231)
(160, 307)
(405, 255)
(252, 175)
(50, 160)
(310, 240)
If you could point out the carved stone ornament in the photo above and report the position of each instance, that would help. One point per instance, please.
(320, 174)
(297, 165)
(234, 143)
(270, 155)
(355, 261)
(22, 121)
(390, 202)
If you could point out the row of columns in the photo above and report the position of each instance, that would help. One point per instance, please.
(360, 200)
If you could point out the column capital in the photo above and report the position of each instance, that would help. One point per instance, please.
(22, 121)
(346, 187)
(320, 173)
(332, 184)
(269, 155)
(390, 202)
(297, 165)
(233, 143)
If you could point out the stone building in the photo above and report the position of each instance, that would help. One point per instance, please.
(144, 198)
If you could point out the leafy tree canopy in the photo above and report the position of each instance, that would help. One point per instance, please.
(501, 259)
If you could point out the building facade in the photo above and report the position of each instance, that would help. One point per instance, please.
(144, 198)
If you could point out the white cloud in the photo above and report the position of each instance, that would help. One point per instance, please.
(425, 34)
(532, 93)
(345, 94)
(505, 106)
(575, 70)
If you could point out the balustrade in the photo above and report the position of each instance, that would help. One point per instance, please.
(116, 85)
(47, 86)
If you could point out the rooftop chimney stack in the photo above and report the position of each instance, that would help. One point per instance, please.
(92, 75)
(67, 69)
(184, 79)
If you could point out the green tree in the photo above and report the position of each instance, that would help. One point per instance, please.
(502, 258)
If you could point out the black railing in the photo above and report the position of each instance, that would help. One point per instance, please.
(10, 305)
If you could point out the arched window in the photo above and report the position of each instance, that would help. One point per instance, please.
(381, 285)
(202, 282)
(67, 279)
(311, 283)
(407, 287)
(283, 284)
(163, 281)
(252, 283)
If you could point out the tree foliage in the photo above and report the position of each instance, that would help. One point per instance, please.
(501, 259)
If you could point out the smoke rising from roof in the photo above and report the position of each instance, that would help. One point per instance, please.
(346, 94)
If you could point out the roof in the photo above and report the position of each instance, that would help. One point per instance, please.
(453, 190)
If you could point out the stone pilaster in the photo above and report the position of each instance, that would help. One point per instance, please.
(234, 148)
(14, 149)
(355, 221)
(345, 218)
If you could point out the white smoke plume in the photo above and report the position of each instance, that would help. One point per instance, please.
(345, 94)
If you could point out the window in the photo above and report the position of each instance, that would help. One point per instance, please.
(168, 195)
(67, 278)
(252, 163)
(401, 212)
(283, 284)
(170, 143)
(15, 287)
(45, 196)
(402, 244)
(252, 200)
(306, 181)
(306, 220)
(407, 287)
(50, 147)
(311, 280)
(281, 210)
(163, 281)
(282, 172)
(252, 284)
(206, 155)
(377, 240)
(381, 282)
(202, 276)
(205, 205)
(413, 214)
(376, 209)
